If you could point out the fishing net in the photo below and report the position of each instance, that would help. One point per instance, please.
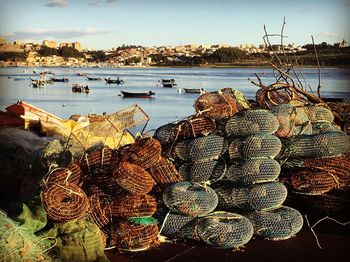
(203, 148)
(165, 134)
(65, 202)
(79, 240)
(190, 198)
(324, 127)
(293, 120)
(316, 146)
(173, 223)
(133, 178)
(252, 122)
(133, 206)
(255, 146)
(254, 171)
(100, 212)
(202, 171)
(133, 237)
(164, 172)
(144, 152)
(195, 126)
(17, 243)
(318, 113)
(251, 197)
(311, 181)
(277, 224)
(225, 230)
(223, 103)
(70, 174)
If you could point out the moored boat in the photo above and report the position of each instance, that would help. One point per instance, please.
(168, 82)
(80, 89)
(59, 79)
(114, 81)
(93, 78)
(139, 95)
(194, 90)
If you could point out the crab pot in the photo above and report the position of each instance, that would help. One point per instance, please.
(100, 212)
(173, 223)
(133, 206)
(144, 152)
(277, 224)
(202, 171)
(65, 202)
(165, 134)
(195, 126)
(133, 179)
(164, 172)
(96, 161)
(71, 174)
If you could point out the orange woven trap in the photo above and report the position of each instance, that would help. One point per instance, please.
(65, 202)
(144, 152)
(96, 159)
(100, 212)
(164, 172)
(70, 174)
(195, 126)
(134, 206)
(133, 178)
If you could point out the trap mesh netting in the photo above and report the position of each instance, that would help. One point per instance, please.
(173, 223)
(254, 171)
(203, 171)
(324, 127)
(195, 126)
(316, 146)
(71, 174)
(318, 113)
(209, 147)
(164, 172)
(251, 197)
(165, 134)
(252, 122)
(225, 230)
(255, 146)
(190, 198)
(277, 224)
(133, 206)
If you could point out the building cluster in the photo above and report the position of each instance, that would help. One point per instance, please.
(276, 48)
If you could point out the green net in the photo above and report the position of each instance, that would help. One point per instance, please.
(173, 223)
(318, 113)
(202, 171)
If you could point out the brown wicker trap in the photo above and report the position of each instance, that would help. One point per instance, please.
(65, 202)
(134, 206)
(133, 178)
(96, 160)
(100, 212)
(195, 126)
(70, 174)
(164, 172)
(144, 152)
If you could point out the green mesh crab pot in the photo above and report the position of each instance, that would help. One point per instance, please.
(202, 171)
(252, 122)
(225, 230)
(190, 198)
(253, 171)
(173, 223)
(262, 196)
(277, 224)
(319, 114)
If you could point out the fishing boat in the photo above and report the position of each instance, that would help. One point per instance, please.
(114, 81)
(168, 82)
(93, 78)
(194, 90)
(139, 95)
(80, 89)
(59, 79)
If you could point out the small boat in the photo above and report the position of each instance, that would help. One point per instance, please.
(93, 78)
(114, 81)
(168, 82)
(59, 79)
(194, 90)
(80, 89)
(38, 82)
(140, 95)
(81, 74)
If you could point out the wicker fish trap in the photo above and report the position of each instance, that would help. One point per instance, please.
(254, 171)
(221, 104)
(172, 224)
(190, 199)
(65, 202)
(165, 134)
(100, 212)
(134, 237)
(164, 172)
(96, 161)
(198, 149)
(144, 152)
(252, 122)
(263, 196)
(255, 146)
(323, 127)
(225, 230)
(318, 113)
(203, 171)
(195, 126)
(133, 206)
(277, 224)
(316, 146)
(70, 174)
(133, 178)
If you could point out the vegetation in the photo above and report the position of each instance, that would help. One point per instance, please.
(98, 56)
(47, 51)
(70, 52)
(13, 56)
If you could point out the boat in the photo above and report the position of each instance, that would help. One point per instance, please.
(93, 78)
(59, 79)
(81, 74)
(140, 95)
(114, 81)
(194, 90)
(38, 82)
(80, 89)
(168, 82)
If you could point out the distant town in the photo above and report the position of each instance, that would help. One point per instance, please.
(53, 54)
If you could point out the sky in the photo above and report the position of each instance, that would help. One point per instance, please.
(104, 24)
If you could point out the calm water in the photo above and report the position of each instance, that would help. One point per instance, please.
(168, 104)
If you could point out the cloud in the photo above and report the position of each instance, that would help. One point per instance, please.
(111, 1)
(57, 3)
(96, 2)
(40, 34)
(326, 35)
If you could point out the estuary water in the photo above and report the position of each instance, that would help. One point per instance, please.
(167, 106)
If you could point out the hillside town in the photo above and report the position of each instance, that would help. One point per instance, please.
(72, 54)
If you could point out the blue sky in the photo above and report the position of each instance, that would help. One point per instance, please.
(103, 24)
